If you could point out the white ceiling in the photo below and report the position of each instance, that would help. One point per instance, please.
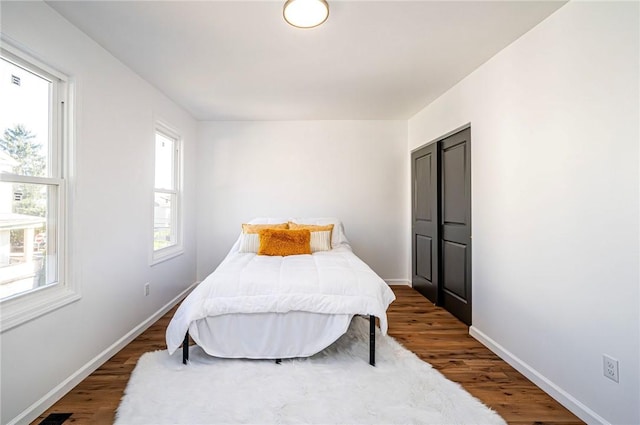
(239, 60)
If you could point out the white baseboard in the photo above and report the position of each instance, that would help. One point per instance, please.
(560, 395)
(36, 409)
(401, 282)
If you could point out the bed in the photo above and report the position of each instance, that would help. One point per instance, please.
(277, 307)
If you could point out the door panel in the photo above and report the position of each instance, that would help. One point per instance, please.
(423, 169)
(455, 184)
(453, 276)
(425, 226)
(423, 250)
(454, 200)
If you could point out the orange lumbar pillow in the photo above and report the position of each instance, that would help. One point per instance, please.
(284, 242)
(255, 228)
(320, 235)
(311, 227)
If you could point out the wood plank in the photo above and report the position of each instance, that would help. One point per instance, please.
(440, 339)
(431, 332)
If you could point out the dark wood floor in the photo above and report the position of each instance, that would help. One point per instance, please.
(430, 332)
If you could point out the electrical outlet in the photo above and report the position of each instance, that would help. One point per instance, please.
(610, 367)
(146, 289)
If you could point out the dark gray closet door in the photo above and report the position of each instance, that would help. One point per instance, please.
(455, 216)
(424, 218)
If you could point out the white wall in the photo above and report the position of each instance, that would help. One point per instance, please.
(112, 212)
(555, 130)
(354, 170)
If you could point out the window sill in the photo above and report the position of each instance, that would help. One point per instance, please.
(166, 254)
(23, 308)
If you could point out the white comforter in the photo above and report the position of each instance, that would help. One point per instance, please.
(329, 282)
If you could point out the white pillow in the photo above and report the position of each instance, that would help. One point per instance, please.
(338, 237)
(249, 242)
(321, 241)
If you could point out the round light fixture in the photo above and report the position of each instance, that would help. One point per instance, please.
(305, 13)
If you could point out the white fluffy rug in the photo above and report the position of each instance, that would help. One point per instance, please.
(336, 386)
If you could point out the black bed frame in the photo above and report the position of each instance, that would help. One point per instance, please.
(372, 344)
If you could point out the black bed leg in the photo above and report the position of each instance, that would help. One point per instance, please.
(372, 340)
(185, 349)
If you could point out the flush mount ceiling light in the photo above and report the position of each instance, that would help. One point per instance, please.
(306, 13)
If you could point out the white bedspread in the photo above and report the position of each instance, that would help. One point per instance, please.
(329, 282)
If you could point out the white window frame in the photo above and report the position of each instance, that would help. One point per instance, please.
(166, 253)
(29, 305)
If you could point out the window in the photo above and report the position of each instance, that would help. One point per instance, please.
(167, 238)
(33, 107)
